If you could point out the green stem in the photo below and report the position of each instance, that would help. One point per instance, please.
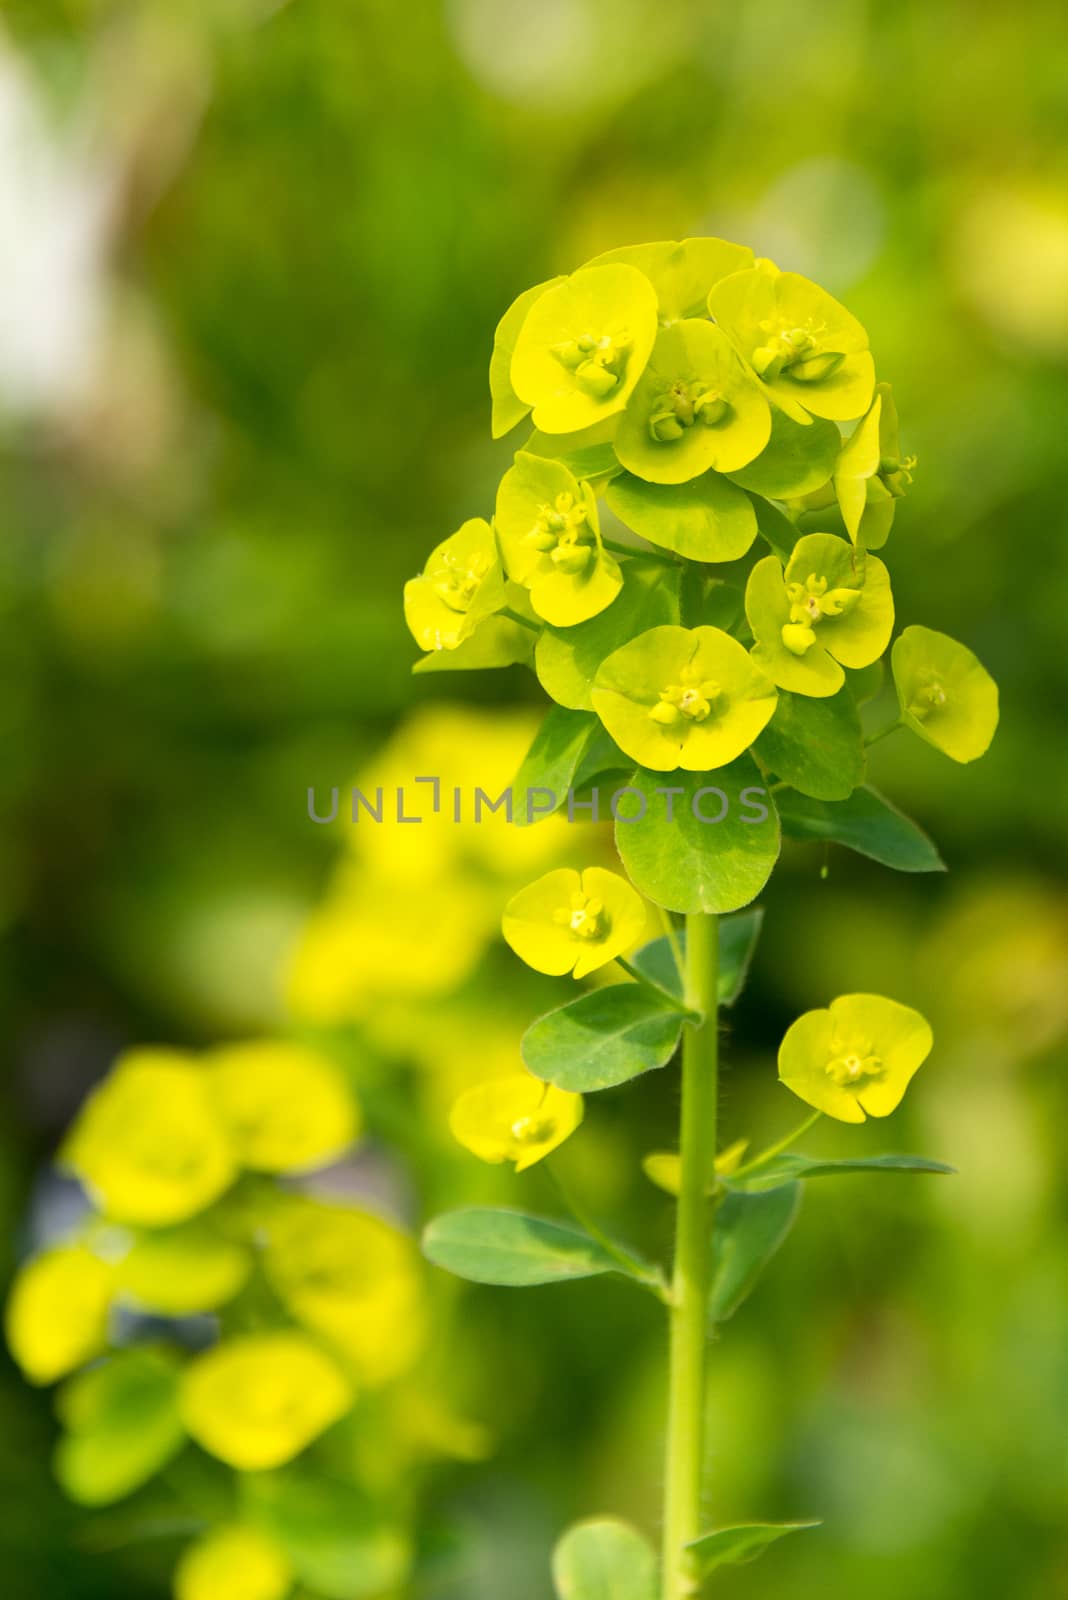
(778, 1148)
(689, 1290)
(631, 1264)
(672, 935)
(620, 549)
(513, 616)
(891, 727)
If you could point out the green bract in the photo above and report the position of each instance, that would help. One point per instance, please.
(707, 519)
(870, 475)
(683, 697)
(693, 408)
(808, 351)
(461, 585)
(945, 693)
(583, 345)
(831, 608)
(551, 541)
(508, 409)
(682, 274)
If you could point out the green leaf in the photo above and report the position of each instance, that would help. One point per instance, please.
(603, 1038)
(604, 1559)
(566, 659)
(510, 1248)
(738, 937)
(684, 863)
(586, 454)
(736, 1546)
(338, 1541)
(796, 1168)
(707, 519)
(864, 683)
(711, 603)
(749, 1229)
(775, 526)
(497, 642)
(795, 461)
(815, 745)
(867, 823)
(123, 1425)
(554, 758)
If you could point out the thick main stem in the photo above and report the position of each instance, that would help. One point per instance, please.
(689, 1289)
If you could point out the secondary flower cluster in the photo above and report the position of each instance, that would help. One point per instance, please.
(316, 1303)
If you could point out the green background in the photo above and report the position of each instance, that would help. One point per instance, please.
(317, 212)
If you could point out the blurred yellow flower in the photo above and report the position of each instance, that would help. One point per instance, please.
(287, 1107)
(574, 922)
(352, 1278)
(57, 1312)
(856, 1057)
(180, 1271)
(258, 1400)
(515, 1119)
(148, 1144)
(233, 1563)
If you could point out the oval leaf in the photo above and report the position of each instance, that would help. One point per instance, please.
(602, 1039)
(796, 1167)
(749, 1229)
(736, 1546)
(707, 519)
(815, 745)
(554, 758)
(604, 1559)
(688, 864)
(512, 1249)
(866, 823)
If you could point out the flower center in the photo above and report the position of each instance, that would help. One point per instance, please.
(683, 405)
(811, 603)
(597, 361)
(932, 697)
(529, 1130)
(562, 532)
(852, 1063)
(681, 704)
(457, 583)
(796, 351)
(584, 917)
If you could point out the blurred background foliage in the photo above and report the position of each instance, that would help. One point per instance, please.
(251, 256)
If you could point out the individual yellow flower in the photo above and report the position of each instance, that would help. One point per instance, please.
(352, 1278)
(287, 1107)
(695, 408)
(945, 693)
(574, 922)
(258, 1400)
(583, 345)
(831, 608)
(517, 1118)
(57, 1312)
(148, 1144)
(551, 541)
(238, 1562)
(856, 1057)
(461, 585)
(808, 351)
(683, 697)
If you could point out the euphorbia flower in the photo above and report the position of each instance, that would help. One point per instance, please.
(149, 1144)
(945, 693)
(870, 475)
(574, 922)
(583, 345)
(831, 608)
(683, 697)
(286, 1107)
(256, 1401)
(808, 351)
(694, 408)
(462, 584)
(856, 1058)
(551, 541)
(515, 1119)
